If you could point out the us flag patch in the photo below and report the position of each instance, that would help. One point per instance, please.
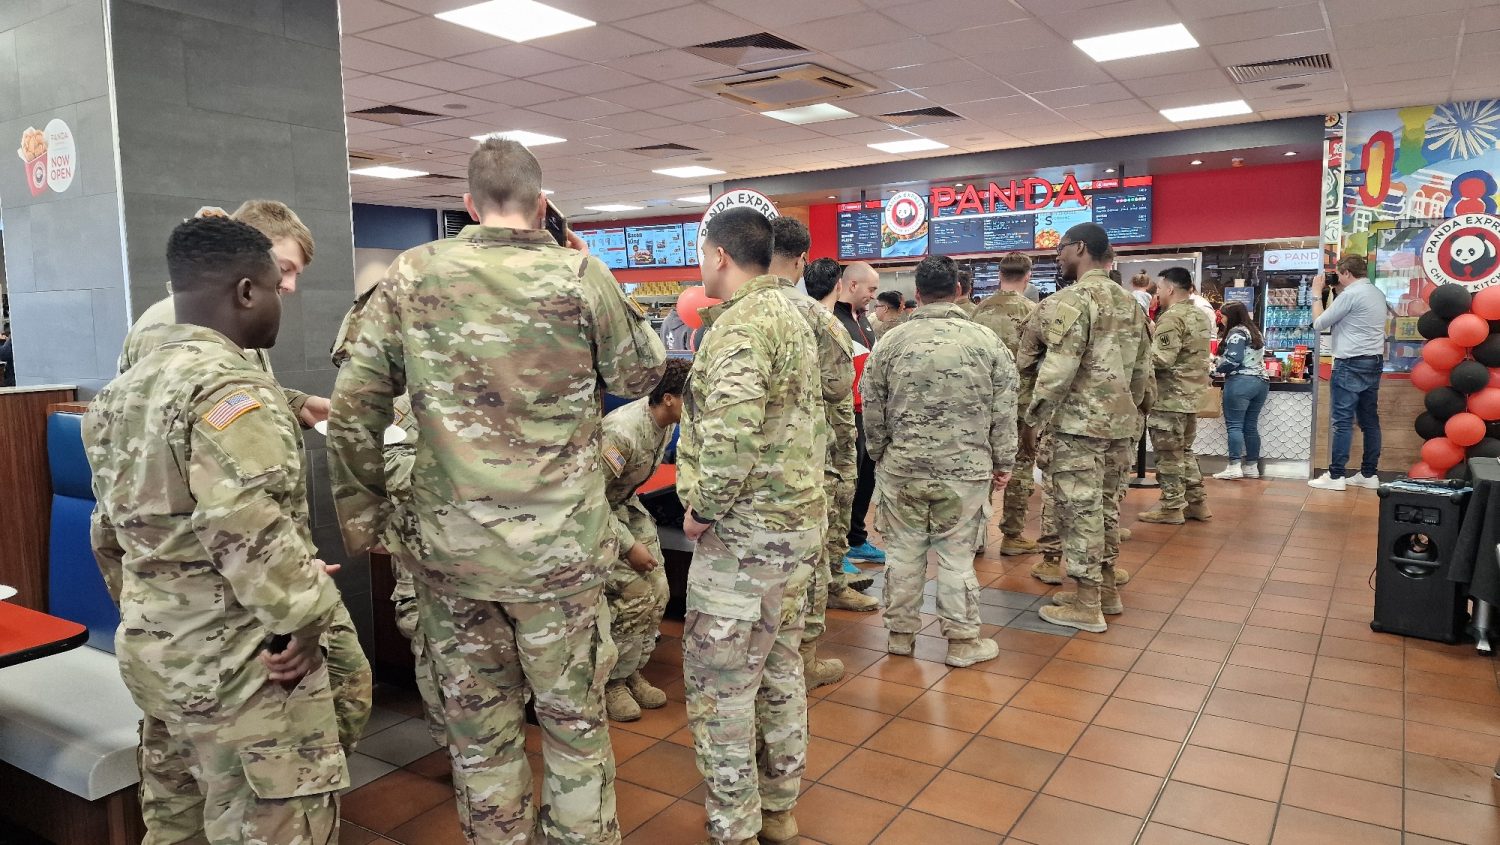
(231, 408)
(615, 459)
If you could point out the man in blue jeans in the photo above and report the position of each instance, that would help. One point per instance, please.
(1356, 320)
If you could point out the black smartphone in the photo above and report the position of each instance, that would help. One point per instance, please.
(556, 224)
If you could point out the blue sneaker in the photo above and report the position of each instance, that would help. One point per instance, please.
(869, 552)
(850, 568)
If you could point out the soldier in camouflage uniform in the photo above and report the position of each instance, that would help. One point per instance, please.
(965, 301)
(505, 340)
(635, 441)
(201, 532)
(940, 420)
(1180, 358)
(1091, 383)
(750, 468)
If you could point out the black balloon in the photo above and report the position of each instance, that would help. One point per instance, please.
(1470, 377)
(1444, 402)
(1492, 430)
(1459, 472)
(1449, 301)
(1486, 448)
(1431, 326)
(1488, 352)
(1428, 426)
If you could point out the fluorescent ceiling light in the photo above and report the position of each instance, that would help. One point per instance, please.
(915, 145)
(614, 207)
(1138, 42)
(815, 113)
(1195, 162)
(515, 20)
(1290, 153)
(701, 199)
(547, 192)
(522, 137)
(385, 171)
(1206, 111)
(690, 172)
(1109, 170)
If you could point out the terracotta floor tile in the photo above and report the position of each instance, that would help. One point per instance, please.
(1355, 672)
(1059, 701)
(350, 834)
(393, 800)
(1452, 744)
(1452, 779)
(1014, 663)
(438, 826)
(439, 766)
(1288, 604)
(1373, 700)
(1220, 595)
(1267, 618)
(1120, 790)
(1289, 589)
(1228, 772)
(855, 658)
(1275, 659)
(1038, 730)
(664, 767)
(823, 755)
(636, 804)
(1346, 797)
(1126, 750)
(1148, 620)
(842, 723)
(1163, 691)
(912, 826)
(1157, 833)
(904, 670)
(1356, 727)
(1472, 690)
(1246, 738)
(873, 694)
(1295, 826)
(883, 777)
(862, 636)
(1456, 660)
(1154, 720)
(1352, 759)
(951, 711)
(1030, 642)
(1264, 682)
(973, 801)
(1221, 814)
(836, 817)
(1118, 635)
(683, 821)
(626, 744)
(984, 686)
(1177, 668)
(661, 722)
(1378, 653)
(1006, 762)
(1054, 821)
(1082, 676)
(1301, 576)
(1451, 819)
(1447, 713)
(920, 741)
(1192, 626)
(1198, 648)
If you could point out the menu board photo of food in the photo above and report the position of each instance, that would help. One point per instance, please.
(655, 246)
(903, 226)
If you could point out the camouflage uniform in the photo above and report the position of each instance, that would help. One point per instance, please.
(968, 306)
(505, 340)
(1005, 314)
(940, 422)
(201, 532)
(749, 461)
(1179, 356)
(633, 447)
(882, 326)
(1091, 359)
(349, 672)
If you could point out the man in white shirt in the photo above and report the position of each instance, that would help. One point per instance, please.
(1356, 319)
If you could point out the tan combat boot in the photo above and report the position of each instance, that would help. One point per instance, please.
(619, 703)
(1109, 595)
(1048, 570)
(900, 644)
(1162, 516)
(1083, 612)
(778, 826)
(848, 598)
(644, 693)
(1198, 511)
(1124, 534)
(1122, 577)
(819, 673)
(1010, 546)
(963, 653)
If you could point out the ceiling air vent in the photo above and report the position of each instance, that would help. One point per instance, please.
(453, 222)
(920, 117)
(1281, 68)
(358, 158)
(398, 115)
(664, 150)
(748, 50)
(787, 87)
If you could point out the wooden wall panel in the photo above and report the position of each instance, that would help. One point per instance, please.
(26, 490)
(1400, 447)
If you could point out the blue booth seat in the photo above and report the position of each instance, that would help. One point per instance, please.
(75, 587)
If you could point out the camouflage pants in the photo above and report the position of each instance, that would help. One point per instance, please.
(404, 597)
(947, 518)
(746, 697)
(828, 571)
(268, 773)
(485, 655)
(1018, 494)
(1049, 541)
(349, 676)
(637, 601)
(1085, 475)
(1176, 466)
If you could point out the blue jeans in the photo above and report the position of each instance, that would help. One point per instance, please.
(1244, 396)
(1354, 392)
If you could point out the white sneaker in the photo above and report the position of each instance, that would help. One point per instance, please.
(1231, 472)
(1250, 470)
(1327, 482)
(1369, 482)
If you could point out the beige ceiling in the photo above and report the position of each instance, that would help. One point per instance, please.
(1006, 66)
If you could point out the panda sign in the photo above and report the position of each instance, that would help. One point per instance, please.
(735, 199)
(1465, 251)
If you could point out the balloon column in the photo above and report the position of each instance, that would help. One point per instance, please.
(1460, 373)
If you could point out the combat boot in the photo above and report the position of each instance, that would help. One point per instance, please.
(819, 673)
(1010, 546)
(1124, 534)
(1162, 516)
(1048, 570)
(900, 644)
(644, 693)
(751, 841)
(1083, 612)
(963, 653)
(847, 598)
(1122, 577)
(619, 703)
(1198, 511)
(778, 826)
(1109, 594)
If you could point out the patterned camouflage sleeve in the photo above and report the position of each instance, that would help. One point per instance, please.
(1142, 378)
(295, 399)
(874, 392)
(1003, 407)
(239, 478)
(107, 551)
(629, 355)
(1028, 356)
(618, 519)
(1168, 342)
(844, 460)
(835, 359)
(1064, 335)
(730, 419)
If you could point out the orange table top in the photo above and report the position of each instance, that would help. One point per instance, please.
(665, 478)
(27, 634)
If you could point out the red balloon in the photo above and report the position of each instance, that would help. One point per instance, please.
(1420, 469)
(1494, 373)
(690, 300)
(1425, 377)
(1468, 330)
(1486, 404)
(1464, 429)
(1486, 303)
(1442, 454)
(1443, 353)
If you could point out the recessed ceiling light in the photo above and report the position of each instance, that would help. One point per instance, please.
(1137, 42)
(1206, 111)
(1291, 86)
(515, 20)
(815, 113)
(547, 192)
(522, 137)
(1290, 153)
(701, 199)
(385, 171)
(1109, 170)
(915, 145)
(614, 207)
(1196, 161)
(689, 172)
(832, 197)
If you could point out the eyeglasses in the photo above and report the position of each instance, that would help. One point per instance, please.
(1065, 245)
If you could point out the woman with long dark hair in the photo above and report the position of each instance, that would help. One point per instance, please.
(1245, 389)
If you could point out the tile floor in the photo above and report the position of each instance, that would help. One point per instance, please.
(1241, 698)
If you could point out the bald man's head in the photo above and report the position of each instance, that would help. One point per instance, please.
(859, 284)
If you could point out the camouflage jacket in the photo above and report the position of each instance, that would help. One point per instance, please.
(836, 376)
(504, 341)
(748, 445)
(882, 326)
(1179, 356)
(631, 449)
(967, 306)
(201, 522)
(1005, 314)
(940, 398)
(149, 331)
(1089, 347)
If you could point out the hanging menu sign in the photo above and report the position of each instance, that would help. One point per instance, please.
(859, 230)
(1033, 214)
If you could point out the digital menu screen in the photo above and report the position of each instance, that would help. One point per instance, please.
(986, 277)
(690, 242)
(608, 245)
(1001, 233)
(655, 246)
(1125, 214)
(859, 233)
(971, 221)
(1050, 225)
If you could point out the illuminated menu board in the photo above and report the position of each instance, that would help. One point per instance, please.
(1000, 233)
(655, 246)
(1125, 214)
(973, 221)
(690, 242)
(608, 245)
(859, 230)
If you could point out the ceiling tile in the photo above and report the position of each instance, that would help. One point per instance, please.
(433, 37)
(955, 96)
(1049, 80)
(1064, 7)
(1486, 19)
(360, 15)
(1195, 9)
(1003, 107)
(669, 64)
(370, 57)
(935, 73)
(432, 7)
(1196, 97)
(516, 60)
(649, 96)
(688, 25)
(886, 103)
(783, 13)
(439, 104)
(1176, 83)
(599, 44)
(1434, 50)
(517, 92)
(1082, 95)
(1160, 65)
(702, 110)
(586, 79)
(1262, 24)
(910, 51)
(386, 90)
(1346, 12)
(605, 11)
(1007, 62)
(445, 75)
(1116, 17)
(1003, 36)
(837, 34)
(1270, 49)
(1090, 115)
(930, 17)
(1371, 35)
(633, 121)
(579, 108)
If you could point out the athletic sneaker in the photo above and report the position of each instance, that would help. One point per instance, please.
(1249, 470)
(851, 569)
(1369, 482)
(867, 552)
(1328, 482)
(1231, 472)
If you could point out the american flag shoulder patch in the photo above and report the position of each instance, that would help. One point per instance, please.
(231, 408)
(615, 459)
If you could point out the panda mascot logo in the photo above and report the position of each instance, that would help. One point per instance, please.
(1464, 250)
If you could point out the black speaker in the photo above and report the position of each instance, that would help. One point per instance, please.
(1418, 532)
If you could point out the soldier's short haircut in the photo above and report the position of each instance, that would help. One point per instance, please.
(1354, 265)
(504, 176)
(791, 237)
(892, 298)
(1178, 277)
(745, 234)
(1014, 265)
(937, 276)
(1094, 239)
(965, 281)
(821, 277)
(673, 380)
(276, 221)
(208, 251)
